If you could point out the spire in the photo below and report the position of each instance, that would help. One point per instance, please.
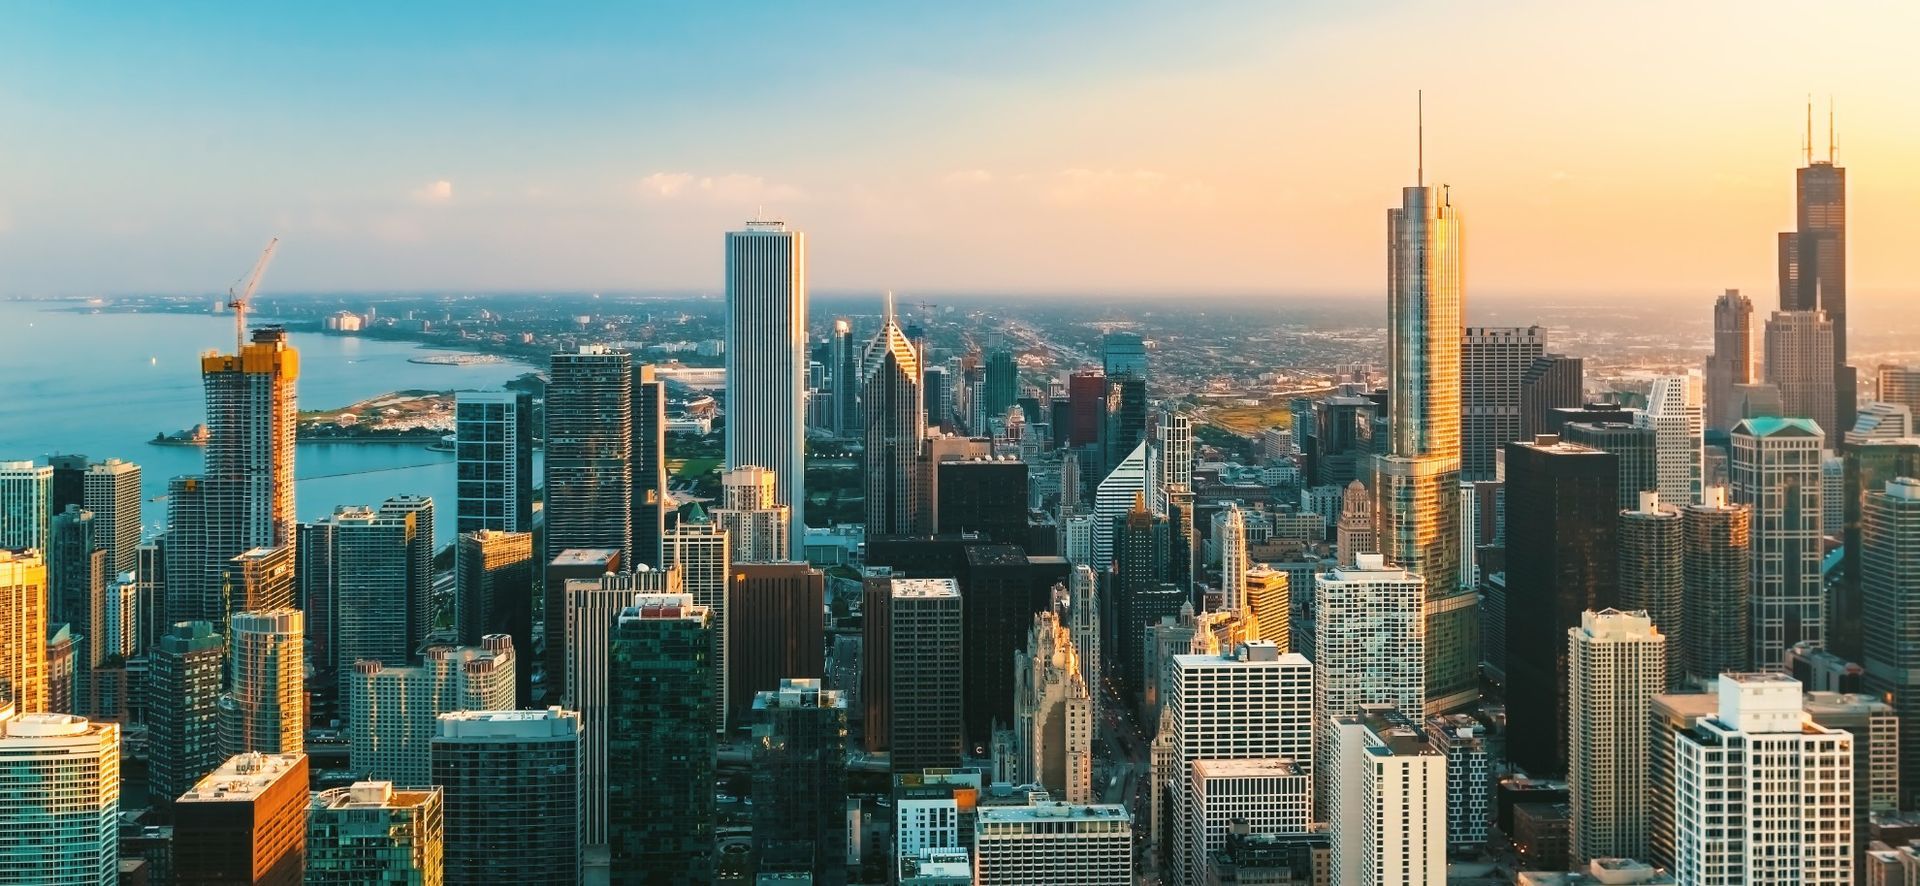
(1420, 138)
(889, 306)
(1809, 142)
(1830, 138)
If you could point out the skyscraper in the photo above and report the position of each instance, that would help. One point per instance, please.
(245, 822)
(493, 461)
(493, 594)
(26, 505)
(1267, 796)
(111, 490)
(1356, 533)
(700, 550)
(760, 529)
(1676, 413)
(248, 493)
(843, 372)
(393, 711)
(1800, 364)
(183, 709)
(925, 729)
(1554, 381)
(1233, 560)
(1652, 575)
(1392, 795)
(1776, 470)
(767, 357)
(1114, 497)
(1124, 417)
(1732, 362)
(1002, 383)
(1764, 794)
(1634, 447)
(1492, 362)
(589, 448)
(265, 708)
(800, 780)
(380, 596)
(1175, 438)
(1616, 665)
(372, 832)
(1369, 648)
(1716, 627)
(1813, 262)
(1562, 519)
(76, 595)
(512, 795)
(591, 608)
(1669, 715)
(59, 800)
(1416, 481)
(987, 496)
(891, 403)
(661, 716)
(1899, 385)
(1053, 713)
(649, 453)
(23, 629)
(1890, 593)
(777, 624)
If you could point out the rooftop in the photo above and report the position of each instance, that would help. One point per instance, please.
(371, 795)
(585, 556)
(243, 777)
(925, 587)
(1769, 426)
(1053, 811)
(1257, 768)
(513, 725)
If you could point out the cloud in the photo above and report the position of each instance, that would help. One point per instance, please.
(967, 177)
(434, 192)
(733, 187)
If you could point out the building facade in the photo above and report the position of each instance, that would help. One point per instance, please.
(59, 800)
(1616, 665)
(493, 461)
(393, 712)
(512, 794)
(766, 356)
(372, 832)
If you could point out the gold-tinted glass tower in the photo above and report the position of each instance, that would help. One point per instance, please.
(1417, 481)
(248, 488)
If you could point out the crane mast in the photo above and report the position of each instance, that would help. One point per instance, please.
(239, 300)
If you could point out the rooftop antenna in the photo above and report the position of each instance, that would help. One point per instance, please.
(1809, 141)
(1830, 139)
(889, 306)
(1420, 138)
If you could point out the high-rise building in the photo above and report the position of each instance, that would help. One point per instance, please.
(590, 565)
(1776, 471)
(1562, 519)
(800, 781)
(589, 452)
(393, 711)
(1652, 576)
(493, 594)
(1053, 714)
(265, 708)
(778, 626)
(59, 800)
(925, 728)
(1876, 753)
(1233, 559)
(1270, 602)
(1083, 620)
(1135, 594)
(23, 629)
(1175, 438)
(26, 505)
(1250, 702)
(1616, 665)
(183, 709)
(1369, 648)
(1462, 740)
(592, 606)
(1813, 261)
(1635, 448)
(1050, 842)
(63, 653)
(512, 795)
(1716, 627)
(1492, 362)
(1668, 716)
(1881, 447)
(1123, 418)
(766, 358)
(1002, 383)
(1114, 496)
(891, 403)
(661, 718)
(111, 490)
(1899, 385)
(698, 548)
(1356, 533)
(1552, 383)
(1392, 791)
(379, 599)
(986, 496)
(760, 529)
(1123, 353)
(493, 461)
(1270, 796)
(1890, 594)
(245, 822)
(248, 495)
(648, 518)
(316, 590)
(373, 832)
(1799, 363)
(1732, 362)
(1676, 411)
(1762, 793)
(843, 374)
(1087, 396)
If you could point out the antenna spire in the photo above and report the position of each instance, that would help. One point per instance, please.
(1420, 138)
(1809, 141)
(1830, 139)
(889, 306)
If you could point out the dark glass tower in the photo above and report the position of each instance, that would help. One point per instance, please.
(183, 709)
(1141, 557)
(1002, 381)
(988, 497)
(1633, 445)
(1562, 525)
(1001, 588)
(800, 781)
(512, 804)
(649, 465)
(589, 444)
(660, 743)
(895, 412)
(1813, 259)
(493, 594)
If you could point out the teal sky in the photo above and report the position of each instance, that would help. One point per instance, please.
(1059, 147)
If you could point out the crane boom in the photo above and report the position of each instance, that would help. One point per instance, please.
(246, 286)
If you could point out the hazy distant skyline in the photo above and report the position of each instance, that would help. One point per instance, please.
(1072, 147)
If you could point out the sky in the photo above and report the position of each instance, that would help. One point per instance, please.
(1073, 148)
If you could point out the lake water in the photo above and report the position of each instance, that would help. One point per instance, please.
(104, 384)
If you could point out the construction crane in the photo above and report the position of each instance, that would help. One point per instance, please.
(246, 285)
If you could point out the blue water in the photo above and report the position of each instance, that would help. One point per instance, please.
(103, 384)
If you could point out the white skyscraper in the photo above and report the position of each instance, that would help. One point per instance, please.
(758, 525)
(766, 359)
(393, 710)
(59, 800)
(26, 505)
(1233, 559)
(1776, 470)
(1676, 411)
(266, 708)
(1369, 648)
(1175, 461)
(1389, 816)
(1763, 793)
(699, 548)
(1083, 620)
(1272, 796)
(1113, 498)
(1616, 664)
(1251, 703)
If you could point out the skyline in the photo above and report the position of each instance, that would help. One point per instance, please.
(1080, 148)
